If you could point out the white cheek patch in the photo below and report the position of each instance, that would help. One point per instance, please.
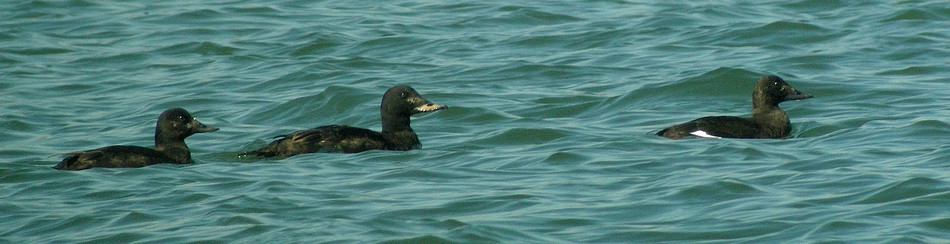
(703, 134)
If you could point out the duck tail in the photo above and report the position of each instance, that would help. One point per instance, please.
(65, 163)
(263, 152)
(71, 162)
(270, 150)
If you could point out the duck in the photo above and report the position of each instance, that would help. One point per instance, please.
(173, 126)
(398, 104)
(768, 120)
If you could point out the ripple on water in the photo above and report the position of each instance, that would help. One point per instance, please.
(548, 138)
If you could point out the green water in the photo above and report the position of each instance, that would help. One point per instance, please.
(548, 138)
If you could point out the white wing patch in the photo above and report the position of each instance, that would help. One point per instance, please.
(703, 134)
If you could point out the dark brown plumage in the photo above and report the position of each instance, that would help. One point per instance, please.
(173, 126)
(398, 104)
(768, 120)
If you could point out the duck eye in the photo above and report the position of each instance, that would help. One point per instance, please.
(402, 94)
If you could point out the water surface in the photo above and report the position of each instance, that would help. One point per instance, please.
(548, 138)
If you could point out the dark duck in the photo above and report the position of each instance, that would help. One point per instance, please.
(399, 103)
(767, 121)
(173, 126)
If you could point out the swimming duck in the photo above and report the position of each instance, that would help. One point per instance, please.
(173, 126)
(398, 104)
(768, 119)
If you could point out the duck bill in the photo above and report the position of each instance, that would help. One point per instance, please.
(797, 95)
(198, 127)
(429, 107)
